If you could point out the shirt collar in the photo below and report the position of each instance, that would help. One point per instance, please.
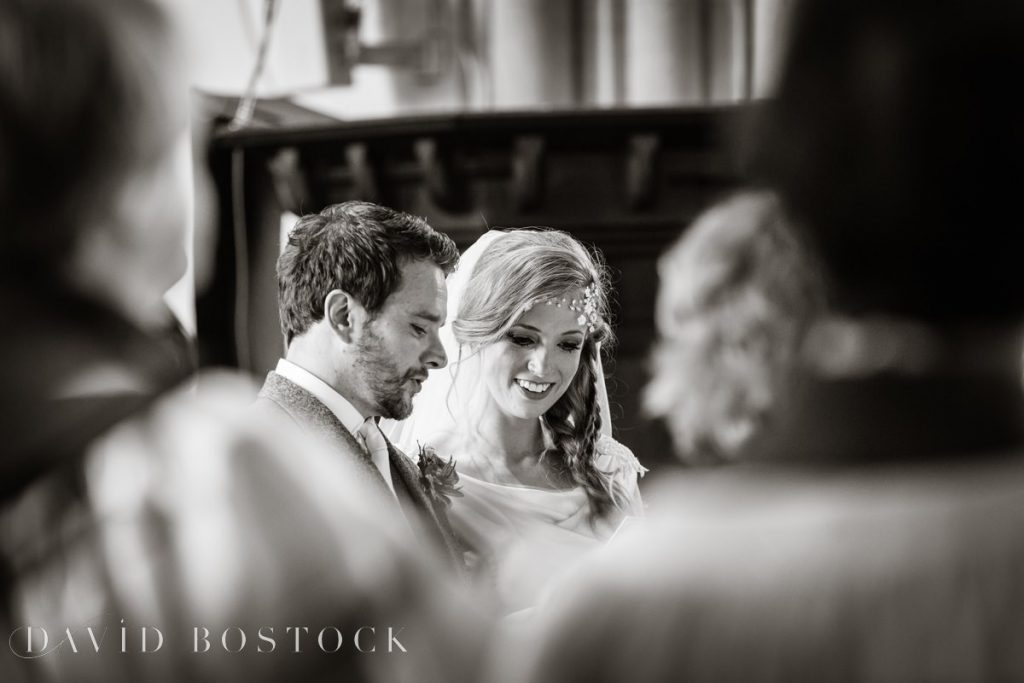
(346, 413)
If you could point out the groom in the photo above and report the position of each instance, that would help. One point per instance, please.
(362, 296)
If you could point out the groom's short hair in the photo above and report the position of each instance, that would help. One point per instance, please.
(357, 247)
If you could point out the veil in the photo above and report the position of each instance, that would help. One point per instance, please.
(434, 408)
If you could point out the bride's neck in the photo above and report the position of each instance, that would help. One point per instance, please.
(508, 438)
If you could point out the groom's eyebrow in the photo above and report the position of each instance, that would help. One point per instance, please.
(432, 317)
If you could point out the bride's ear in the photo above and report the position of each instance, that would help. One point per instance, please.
(342, 313)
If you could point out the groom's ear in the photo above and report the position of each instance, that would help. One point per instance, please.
(342, 312)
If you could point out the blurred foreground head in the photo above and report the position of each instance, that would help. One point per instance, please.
(207, 521)
(738, 293)
(893, 142)
(93, 146)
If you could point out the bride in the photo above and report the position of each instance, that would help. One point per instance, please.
(522, 410)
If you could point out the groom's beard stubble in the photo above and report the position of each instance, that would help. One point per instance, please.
(382, 377)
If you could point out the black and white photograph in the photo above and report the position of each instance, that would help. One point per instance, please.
(511, 341)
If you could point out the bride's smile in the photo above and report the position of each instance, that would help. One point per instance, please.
(534, 387)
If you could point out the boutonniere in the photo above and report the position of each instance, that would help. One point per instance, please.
(438, 477)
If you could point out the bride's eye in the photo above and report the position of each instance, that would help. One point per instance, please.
(519, 340)
(570, 346)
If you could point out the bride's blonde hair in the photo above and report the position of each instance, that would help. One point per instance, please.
(531, 265)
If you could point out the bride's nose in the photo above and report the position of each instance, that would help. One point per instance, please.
(537, 364)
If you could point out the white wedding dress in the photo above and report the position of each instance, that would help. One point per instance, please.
(522, 538)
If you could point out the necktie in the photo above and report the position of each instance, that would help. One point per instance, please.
(377, 446)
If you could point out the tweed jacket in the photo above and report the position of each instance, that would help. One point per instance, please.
(281, 395)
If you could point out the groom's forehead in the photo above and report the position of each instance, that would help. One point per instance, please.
(421, 290)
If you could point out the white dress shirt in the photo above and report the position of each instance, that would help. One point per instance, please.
(349, 417)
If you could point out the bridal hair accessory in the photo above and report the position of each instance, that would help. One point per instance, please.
(438, 477)
(585, 306)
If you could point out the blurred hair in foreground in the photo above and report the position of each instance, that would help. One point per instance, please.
(895, 143)
(93, 99)
(737, 295)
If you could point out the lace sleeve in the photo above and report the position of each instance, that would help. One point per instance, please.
(625, 471)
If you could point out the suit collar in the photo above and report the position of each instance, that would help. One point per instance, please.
(346, 413)
(307, 410)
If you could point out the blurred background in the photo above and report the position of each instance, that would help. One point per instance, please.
(612, 119)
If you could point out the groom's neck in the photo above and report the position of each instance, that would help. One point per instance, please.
(314, 353)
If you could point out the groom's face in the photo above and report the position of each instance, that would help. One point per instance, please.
(397, 348)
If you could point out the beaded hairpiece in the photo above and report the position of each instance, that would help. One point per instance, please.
(586, 307)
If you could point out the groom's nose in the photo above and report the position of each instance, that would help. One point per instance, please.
(436, 357)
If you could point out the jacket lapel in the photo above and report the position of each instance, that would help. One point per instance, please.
(408, 477)
(313, 415)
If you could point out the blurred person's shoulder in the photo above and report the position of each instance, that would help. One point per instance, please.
(834, 525)
(214, 434)
(198, 510)
(898, 565)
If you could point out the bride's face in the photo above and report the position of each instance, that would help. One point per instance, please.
(528, 370)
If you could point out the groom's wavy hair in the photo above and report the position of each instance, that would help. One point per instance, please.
(535, 264)
(357, 247)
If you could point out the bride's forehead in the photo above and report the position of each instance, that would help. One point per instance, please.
(554, 317)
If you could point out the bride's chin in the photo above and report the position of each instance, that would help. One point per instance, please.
(527, 411)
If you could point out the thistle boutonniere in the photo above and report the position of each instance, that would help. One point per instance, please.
(439, 478)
